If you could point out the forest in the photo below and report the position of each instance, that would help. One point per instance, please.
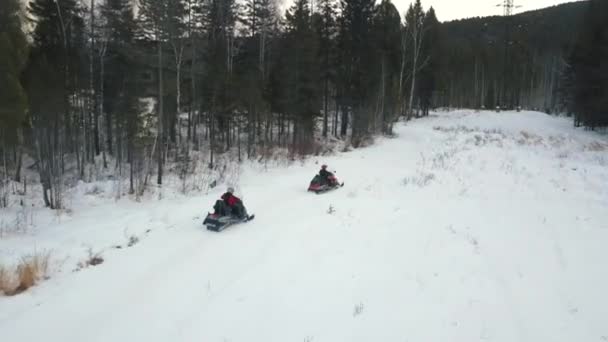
(140, 89)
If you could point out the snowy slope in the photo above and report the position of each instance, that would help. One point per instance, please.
(465, 227)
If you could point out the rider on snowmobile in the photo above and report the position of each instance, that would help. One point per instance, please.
(230, 204)
(326, 176)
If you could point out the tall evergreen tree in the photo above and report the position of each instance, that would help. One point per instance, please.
(430, 49)
(119, 77)
(177, 39)
(51, 79)
(13, 99)
(302, 77)
(386, 36)
(161, 21)
(355, 60)
(13, 55)
(219, 98)
(326, 29)
(118, 63)
(589, 87)
(414, 22)
(259, 19)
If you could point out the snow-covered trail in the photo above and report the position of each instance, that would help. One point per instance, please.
(462, 228)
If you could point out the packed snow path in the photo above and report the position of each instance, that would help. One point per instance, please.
(465, 227)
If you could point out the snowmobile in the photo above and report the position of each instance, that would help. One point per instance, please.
(318, 185)
(224, 217)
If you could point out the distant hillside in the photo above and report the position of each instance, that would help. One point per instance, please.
(548, 28)
(474, 50)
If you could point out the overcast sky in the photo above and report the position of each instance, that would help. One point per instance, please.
(458, 9)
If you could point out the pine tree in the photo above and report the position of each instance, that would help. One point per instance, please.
(386, 36)
(589, 70)
(220, 17)
(259, 20)
(13, 99)
(13, 55)
(51, 79)
(301, 51)
(177, 39)
(118, 63)
(195, 32)
(119, 74)
(414, 21)
(430, 49)
(326, 29)
(161, 22)
(356, 58)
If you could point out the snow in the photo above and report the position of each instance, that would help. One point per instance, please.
(464, 227)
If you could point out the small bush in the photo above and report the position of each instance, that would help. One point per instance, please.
(94, 189)
(596, 146)
(422, 179)
(358, 309)
(93, 259)
(5, 280)
(528, 138)
(132, 240)
(29, 272)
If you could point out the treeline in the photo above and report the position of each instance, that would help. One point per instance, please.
(89, 84)
(99, 83)
(552, 60)
(509, 62)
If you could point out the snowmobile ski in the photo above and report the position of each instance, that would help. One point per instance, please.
(218, 223)
(328, 189)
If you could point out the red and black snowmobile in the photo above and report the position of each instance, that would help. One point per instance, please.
(320, 185)
(227, 211)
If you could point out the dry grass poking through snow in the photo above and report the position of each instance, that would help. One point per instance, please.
(29, 272)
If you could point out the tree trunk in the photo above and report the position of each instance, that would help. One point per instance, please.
(102, 75)
(411, 101)
(211, 139)
(93, 95)
(344, 122)
(159, 176)
(325, 105)
(402, 72)
(19, 159)
(109, 133)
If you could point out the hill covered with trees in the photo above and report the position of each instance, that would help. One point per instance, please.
(104, 84)
(508, 61)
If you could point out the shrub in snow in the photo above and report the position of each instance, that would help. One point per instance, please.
(94, 189)
(358, 309)
(4, 279)
(596, 146)
(132, 240)
(30, 270)
(93, 259)
(24, 218)
(528, 138)
(422, 179)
